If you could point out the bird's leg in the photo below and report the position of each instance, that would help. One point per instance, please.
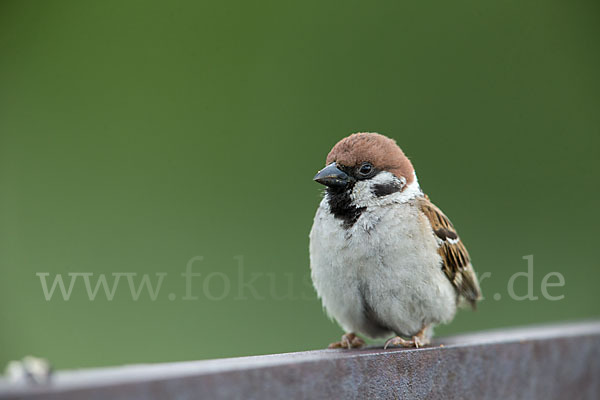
(419, 340)
(349, 341)
(422, 338)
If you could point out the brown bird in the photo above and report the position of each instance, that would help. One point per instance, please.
(385, 261)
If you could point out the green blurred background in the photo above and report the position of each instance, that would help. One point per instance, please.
(135, 135)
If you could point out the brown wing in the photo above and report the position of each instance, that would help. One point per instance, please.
(456, 261)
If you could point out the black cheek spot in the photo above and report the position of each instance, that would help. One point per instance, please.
(384, 189)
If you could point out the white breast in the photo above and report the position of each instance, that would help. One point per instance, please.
(383, 274)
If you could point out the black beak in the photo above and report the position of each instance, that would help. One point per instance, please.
(332, 177)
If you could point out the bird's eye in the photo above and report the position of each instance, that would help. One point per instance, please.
(365, 169)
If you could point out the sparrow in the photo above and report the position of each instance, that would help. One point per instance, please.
(385, 261)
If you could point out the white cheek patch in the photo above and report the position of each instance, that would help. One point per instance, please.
(384, 188)
(411, 191)
(383, 178)
(363, 190)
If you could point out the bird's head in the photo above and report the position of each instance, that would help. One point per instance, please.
(369, 168)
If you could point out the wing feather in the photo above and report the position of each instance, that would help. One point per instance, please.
(455, 258)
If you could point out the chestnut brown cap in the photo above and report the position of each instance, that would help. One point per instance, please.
(377, 149)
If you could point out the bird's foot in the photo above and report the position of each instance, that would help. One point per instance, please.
(349, 341)
(419, 340)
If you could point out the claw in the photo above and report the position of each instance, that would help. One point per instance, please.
(419, 340)
(398, 341)
(349, 341)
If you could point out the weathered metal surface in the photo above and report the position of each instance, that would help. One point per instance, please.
(547, 362)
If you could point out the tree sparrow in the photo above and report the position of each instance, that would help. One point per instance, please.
(383, 258)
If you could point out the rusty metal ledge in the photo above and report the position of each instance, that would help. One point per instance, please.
(544, 362)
